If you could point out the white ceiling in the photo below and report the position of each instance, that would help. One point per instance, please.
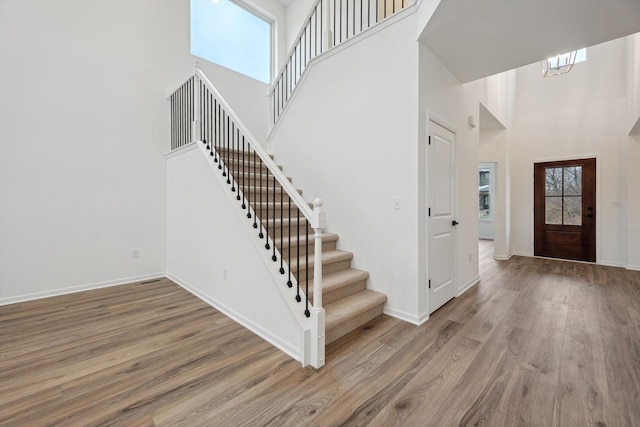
(479, 38)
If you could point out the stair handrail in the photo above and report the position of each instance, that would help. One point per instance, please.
(291, 191)
(191, 121)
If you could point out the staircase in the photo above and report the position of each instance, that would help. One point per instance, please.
(348, 304)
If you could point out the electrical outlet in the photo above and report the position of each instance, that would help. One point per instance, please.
(396, 203)
(616, 204)
(135, 253)
(224, 273)
(469, 256)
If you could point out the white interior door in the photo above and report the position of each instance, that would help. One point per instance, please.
(441, 219)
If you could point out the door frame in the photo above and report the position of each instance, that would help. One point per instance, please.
(598, 200)
(442, 123)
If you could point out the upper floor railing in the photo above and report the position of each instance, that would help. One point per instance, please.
(329, 23)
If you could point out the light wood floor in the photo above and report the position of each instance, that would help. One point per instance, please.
(536, 342)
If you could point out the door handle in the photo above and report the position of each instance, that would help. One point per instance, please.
(589, 215)
(454, 223)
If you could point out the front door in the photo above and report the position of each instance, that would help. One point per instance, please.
(565, 209)
(441, 236)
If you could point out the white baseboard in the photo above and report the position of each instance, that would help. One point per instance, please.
(468, 285)
(284, 346)
(407, 317)
(502, 257)
(79, 288)
(613, 263)
(633, 267)
(517, 253)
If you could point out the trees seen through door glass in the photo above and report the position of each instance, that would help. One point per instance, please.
(563, 195)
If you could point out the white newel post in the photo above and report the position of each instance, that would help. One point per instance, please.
(318, 224)
(328, 34)
(195, 125)
(272, 111)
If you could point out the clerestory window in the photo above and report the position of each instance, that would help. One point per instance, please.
(231, 34)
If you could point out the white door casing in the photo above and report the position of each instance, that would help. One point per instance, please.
(441, 216)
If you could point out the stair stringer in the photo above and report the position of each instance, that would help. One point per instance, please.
(208, 233)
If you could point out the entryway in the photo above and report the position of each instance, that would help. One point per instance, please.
(565, 209)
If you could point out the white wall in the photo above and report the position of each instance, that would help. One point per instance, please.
(366, 157)
(579, 114)
(246, 96)
(206, 234)
(633, 157)
(84, 123)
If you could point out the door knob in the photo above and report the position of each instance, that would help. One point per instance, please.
(454, 223)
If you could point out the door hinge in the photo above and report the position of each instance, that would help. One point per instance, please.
(429, 211)
(429, 283)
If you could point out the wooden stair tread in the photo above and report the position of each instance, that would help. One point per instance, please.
(326, 237)
(343, 278)
(328, 257)
(340, 311)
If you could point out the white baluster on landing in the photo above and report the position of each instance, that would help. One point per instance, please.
(195, 125)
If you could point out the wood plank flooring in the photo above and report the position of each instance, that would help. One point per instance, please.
(537, 342)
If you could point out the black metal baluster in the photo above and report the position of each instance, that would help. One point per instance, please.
(385, 9)
(244, 161)
(281, 228)
(315, 18)
(227, 161)
(299, 264)
(306, 311)
(218, 135)
(335, 28)
(354, 16)
(236, 162)
(340, 21)
(223, 152)
(255, 203)
(171, 112)
(310, 39)
(346, 21)
(289, 283)
(190, 108)
(179, 117)
(204, 124)
(267, 246)
(321, 33)
(377, 11)
(261, 235)
(213, 123)
(360, 15)
(274, 257)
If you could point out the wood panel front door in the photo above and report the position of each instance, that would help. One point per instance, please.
(565, 209)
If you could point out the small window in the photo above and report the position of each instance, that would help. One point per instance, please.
(485, 196)
(563, 195)
(231, 35)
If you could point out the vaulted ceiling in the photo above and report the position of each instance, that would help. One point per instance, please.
(479, 38)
